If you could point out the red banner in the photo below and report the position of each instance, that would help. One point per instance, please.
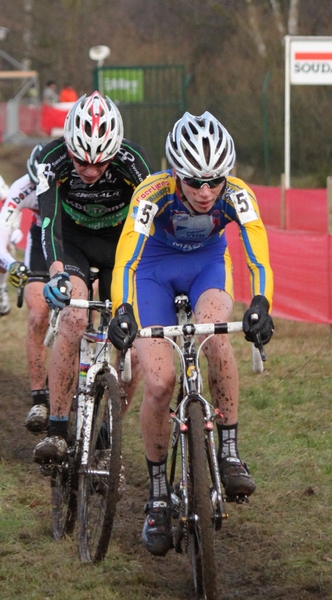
(53, 117)
(301, 258)
(302, 273)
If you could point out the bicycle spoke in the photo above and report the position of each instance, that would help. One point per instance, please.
(200, 527)
(64, 499)
(64, 484)
(98, 484)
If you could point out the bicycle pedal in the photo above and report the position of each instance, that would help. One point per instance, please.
(238, 499)
(47, 469)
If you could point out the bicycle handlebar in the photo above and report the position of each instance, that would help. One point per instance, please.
(94, 304)
(190, 329)
(21, 285)
(125, 360)
(258, 353)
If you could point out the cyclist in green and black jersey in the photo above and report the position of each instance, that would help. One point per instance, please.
(86, 180)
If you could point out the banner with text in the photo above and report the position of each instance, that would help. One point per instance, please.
(122, 85)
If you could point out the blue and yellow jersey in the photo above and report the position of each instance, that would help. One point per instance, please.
(158, 217)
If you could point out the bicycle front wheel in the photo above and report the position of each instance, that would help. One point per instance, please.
(64, 499)
(64, 484)
(99, 481)
(200, 526)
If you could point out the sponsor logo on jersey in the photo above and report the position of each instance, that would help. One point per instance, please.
(24, 193)
(153, 189)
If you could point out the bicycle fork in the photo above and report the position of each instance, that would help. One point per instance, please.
(86, 395)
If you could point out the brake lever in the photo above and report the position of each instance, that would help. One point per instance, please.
(20, 293)
(259, 345)
(20, 288)
(124, 327)
(258, 340)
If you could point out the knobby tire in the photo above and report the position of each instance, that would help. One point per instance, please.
(64, 485)
(201, 530)
(98, 494)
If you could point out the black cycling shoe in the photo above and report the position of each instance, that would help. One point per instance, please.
(234, 475)
(157, 530)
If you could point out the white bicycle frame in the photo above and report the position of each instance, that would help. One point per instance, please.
(95, 356)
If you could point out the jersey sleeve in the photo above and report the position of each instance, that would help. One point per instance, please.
(245, 211)
(48, 195)
(145, 204)
(10, 216)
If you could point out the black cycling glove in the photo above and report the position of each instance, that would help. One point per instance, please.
(262, 326)
(123, 327)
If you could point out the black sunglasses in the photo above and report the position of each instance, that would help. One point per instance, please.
(85, 163)
(198, 183)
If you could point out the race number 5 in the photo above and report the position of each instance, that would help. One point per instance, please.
(243, 206)
(144, 217)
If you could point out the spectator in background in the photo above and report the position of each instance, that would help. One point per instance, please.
(50, 94)
(68, 94)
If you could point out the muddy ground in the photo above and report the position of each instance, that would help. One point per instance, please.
(243, 555)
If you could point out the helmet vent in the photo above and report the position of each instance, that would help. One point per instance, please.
(207, 149)
(80, 142)
(102, 130)
(191, 159)
(94, 128)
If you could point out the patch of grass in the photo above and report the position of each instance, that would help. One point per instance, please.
(278, 546)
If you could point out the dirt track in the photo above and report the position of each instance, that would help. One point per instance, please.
(244, 555)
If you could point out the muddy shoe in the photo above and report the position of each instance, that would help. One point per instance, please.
(157, 531)
(37, 418)
(235, 478)
(50, 450)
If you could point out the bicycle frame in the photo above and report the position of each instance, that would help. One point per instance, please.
(92, 361)
(197, 499)
(85, 485)
(192, 387)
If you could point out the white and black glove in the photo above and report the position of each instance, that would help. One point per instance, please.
(57, 292)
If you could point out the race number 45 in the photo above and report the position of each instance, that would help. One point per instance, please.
(243, 206)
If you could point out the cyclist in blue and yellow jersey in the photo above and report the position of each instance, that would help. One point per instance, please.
(174, 242)
(86, 181)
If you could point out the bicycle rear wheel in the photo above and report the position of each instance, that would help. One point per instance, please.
(64, 484)
(200, 526)
(99, 482)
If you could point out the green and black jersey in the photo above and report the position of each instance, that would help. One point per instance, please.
(98, 206)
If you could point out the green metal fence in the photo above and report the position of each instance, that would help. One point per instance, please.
(150, 99)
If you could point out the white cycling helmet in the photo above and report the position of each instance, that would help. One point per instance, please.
(93, 129)
(33, 162)
(200, 147)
